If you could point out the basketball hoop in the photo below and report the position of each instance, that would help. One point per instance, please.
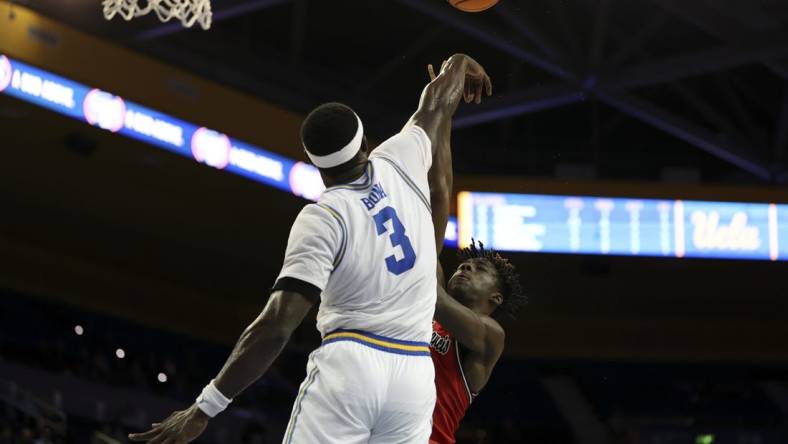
(187, 11)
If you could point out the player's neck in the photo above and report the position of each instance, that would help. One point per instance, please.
(348, 176)
(484, 311)
(480, 307)
(483, 308)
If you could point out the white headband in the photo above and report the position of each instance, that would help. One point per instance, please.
(339, 157)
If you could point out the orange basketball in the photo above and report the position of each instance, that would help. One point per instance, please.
(473, 5)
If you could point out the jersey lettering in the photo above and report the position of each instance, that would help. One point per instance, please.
(398, 238)
(440, 343)
(375, 196)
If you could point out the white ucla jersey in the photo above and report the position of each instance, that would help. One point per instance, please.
(370, 246)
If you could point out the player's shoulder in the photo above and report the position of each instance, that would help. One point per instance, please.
(417, 133)
(319, 213)
(320, 221)
(411, 135)
(334, 202)
(323, 208)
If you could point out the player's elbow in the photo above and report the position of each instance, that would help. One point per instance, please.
(486, 338)
(279, 333)
(271, 333)
(495, 338)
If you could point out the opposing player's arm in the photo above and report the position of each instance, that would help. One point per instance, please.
(479, 333)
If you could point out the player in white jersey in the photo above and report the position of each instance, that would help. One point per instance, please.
(366, 252)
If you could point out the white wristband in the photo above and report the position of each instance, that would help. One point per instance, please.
(211, 401)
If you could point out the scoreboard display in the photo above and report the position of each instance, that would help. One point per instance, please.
(624, 226)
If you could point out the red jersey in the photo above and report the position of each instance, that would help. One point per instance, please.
(453, 395)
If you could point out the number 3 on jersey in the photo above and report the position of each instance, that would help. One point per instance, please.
(398, 238)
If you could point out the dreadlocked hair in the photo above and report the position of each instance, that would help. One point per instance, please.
(508, 278)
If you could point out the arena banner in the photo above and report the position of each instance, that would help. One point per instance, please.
(509, 222)
(624, 226)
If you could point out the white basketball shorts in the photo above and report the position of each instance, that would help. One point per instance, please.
(364, 388)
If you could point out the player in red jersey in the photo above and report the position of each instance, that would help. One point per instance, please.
(467, 338)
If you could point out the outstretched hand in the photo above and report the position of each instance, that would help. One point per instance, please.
(477, 82)
(179, 428)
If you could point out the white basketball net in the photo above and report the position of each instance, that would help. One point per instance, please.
(187, 11)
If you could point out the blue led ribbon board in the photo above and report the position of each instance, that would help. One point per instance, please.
(118, 115)
(624, 226)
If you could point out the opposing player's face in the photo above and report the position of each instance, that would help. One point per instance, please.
(474, 282)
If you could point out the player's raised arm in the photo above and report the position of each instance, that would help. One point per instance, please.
(460, 78)
(481, 334)
(441, 182)
(478, 333)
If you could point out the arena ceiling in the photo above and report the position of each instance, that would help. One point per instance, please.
(605, 89)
